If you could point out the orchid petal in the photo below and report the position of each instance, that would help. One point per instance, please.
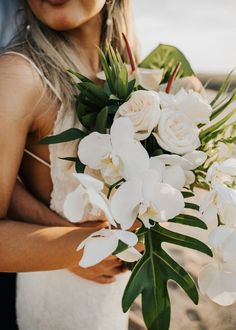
(122, 130)
(134, 159)
(195, 158)
(102, 203)
(127, 237)
(93, 148)
(217, 285)
(75, 204)
(89, 182)
(130, 255)
(168, 201)
(175, 176)
(97, 249)
(125, 203)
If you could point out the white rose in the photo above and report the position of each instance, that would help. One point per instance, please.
(177, 133)
(143, 109)
(191, 103)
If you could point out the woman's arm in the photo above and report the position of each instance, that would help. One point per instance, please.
(25, 207)
(23, 246)
(27, 247)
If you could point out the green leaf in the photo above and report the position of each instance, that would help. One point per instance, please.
(189, 220)
(79, 167)
(217, 125)
(150, 276)
(219, 110)
(66, 136)
(187, 194)
(70, 159)
(166, 57)
(192, 206)
(101, 121)
(93, 92)
(182, 240)
(89, 120)
(223, 89)
(120, 248)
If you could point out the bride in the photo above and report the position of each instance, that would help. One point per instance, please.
(36, 94)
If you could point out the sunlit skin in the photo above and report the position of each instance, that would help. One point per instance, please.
(19, 125)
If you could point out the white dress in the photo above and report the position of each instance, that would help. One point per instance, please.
(60, 300)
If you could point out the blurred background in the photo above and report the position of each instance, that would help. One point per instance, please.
(204, 30)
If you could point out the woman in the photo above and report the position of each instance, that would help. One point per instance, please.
(56, 35)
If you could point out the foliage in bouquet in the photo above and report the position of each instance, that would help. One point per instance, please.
(152, 143)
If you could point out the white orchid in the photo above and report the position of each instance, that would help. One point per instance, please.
(189, 102)
(147, 198)
(218, 279)
(87, 199)
(226, 150)
(178, 169)
(149, 79)
(219, 201)
(224, 172)
(118, 155)
(143, 109)
(103, 243)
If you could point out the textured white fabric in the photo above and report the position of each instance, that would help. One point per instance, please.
(60, 300)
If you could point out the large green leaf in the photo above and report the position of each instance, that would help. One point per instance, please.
(151, 274)
(66, 136)
(166, 57)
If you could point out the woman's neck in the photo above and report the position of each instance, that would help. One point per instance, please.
(87, 39)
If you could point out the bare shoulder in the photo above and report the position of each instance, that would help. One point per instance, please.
(20, 85)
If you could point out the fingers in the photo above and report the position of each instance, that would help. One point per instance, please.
(105, 279)
(137, 224)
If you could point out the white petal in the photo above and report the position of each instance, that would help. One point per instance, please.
(130, 255)
(149, 78)
(134, 159)
(89, 182)
(125, 203)
(229, 166)
(219, 235)
(156, 163)
(190, 177)
(195, 158)
(175, 160)
(97, 249)
(168, 201)
(121, 131)
(75, 204)
(209, 216)
(93, 148)
(102, 203)
(216, 284)
(127, 237)
(175, 176)
(227, 214)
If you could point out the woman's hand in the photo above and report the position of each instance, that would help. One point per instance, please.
(105, 272)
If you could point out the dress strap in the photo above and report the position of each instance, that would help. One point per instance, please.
(38, 71)
(37, 158)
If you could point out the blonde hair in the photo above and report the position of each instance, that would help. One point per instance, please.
(54, 54)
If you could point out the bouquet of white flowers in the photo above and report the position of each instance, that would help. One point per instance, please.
(152, 142)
